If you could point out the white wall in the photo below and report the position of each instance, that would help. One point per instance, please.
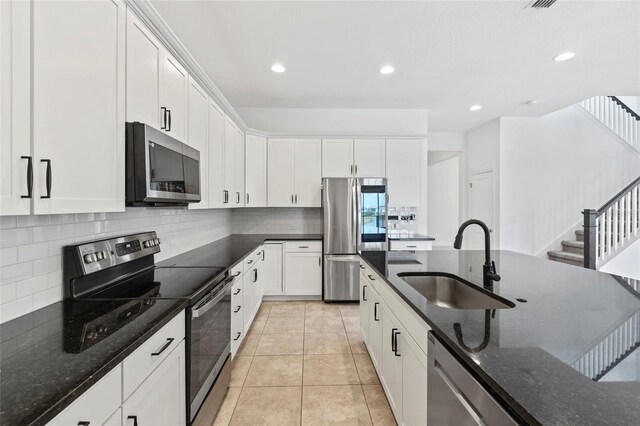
(553, 167)
(443, 201)
(447, 141)
(341, 121)
(483, 155)
(31, 246)
(626, 264)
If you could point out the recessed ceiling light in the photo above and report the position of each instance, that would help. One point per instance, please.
(387, 69)
(278, 68)
(564, 56)
(531, 102)
(475, 107)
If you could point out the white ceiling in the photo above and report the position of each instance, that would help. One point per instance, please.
(448, 55)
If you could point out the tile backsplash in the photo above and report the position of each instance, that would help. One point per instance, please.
(277, 221)
(31, 246)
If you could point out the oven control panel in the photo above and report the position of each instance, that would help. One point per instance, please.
(98, 255)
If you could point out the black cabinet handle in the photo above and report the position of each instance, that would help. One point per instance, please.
(83, 423)
(364, 293)
(296, 198)
(395, 339)
(371, 278)
(135, 420)
(237, 198)
(29, 176)
(238, 334)
(169, 120)
(255, 275)
(164, 347)
(320, 261)
(375, 311)
(247, 198)
(237, 292)
(164, 118)
(237, 309)
(351, 169)
(291, 198)
(361, 266)
(356, 169)
(48, 178)
(412, 246)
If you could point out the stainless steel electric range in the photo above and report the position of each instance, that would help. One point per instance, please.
(123, 269)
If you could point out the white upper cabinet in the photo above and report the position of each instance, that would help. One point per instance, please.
(216, 156)
(337, 157)
(174, 97)
(230, 132)
(353, 157)
(294, 172)
(78, 107)
(198, 137)
(238, 168)
(369, 157)
(15, 109)
(406, 171)
(280, 161)
(307, 172)
(144, 73)
(256, 171)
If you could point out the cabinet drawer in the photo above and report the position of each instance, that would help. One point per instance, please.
(250, 261)
(410, 245)
(137, 366)
(96, 405)
(303, 246)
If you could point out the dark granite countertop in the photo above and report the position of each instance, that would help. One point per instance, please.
(534, 357)
(393, 236)
(42, 367)
(227, 252)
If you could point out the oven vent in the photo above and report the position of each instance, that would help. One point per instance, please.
(541, 4)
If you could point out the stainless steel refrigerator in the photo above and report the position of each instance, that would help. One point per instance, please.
(355, 219)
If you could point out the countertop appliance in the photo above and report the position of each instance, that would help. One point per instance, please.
(454, 396)
(355, 218)
(160, 169)
(122, 269)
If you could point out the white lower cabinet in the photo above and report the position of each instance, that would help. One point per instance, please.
(237, 309)
(303, 274)
(160, 400)
(401, 363)
(147, 388)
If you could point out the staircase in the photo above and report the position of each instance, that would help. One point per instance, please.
(618, 117)
(572, 251)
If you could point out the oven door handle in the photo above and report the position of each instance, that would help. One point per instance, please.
(210, 304)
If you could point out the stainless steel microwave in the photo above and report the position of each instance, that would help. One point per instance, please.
(160, 169)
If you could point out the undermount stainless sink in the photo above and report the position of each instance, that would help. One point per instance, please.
(449, 292)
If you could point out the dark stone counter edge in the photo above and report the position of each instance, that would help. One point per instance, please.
(519, 414)
(56, 409)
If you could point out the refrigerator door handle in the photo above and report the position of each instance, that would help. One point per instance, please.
(344, 258)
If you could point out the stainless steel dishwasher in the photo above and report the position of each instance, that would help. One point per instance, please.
(454, 397)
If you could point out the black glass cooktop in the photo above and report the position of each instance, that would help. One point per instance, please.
(164, 283)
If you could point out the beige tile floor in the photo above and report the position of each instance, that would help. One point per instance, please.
(304, 363)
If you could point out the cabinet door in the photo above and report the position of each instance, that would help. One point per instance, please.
(307, 172)
(369, 157)
(15, 108)
(365, 305)
(337, 157)
(144, 73)
(160, 399)
(405, 162)
(303, 274)
(375, 331)
(256, 171)
(79, 106)
(280, 160)
(273, 269)
(216, 156)
(174, 97)
(391, 362)
(198, 137)
(414, 382)
(229, 162)
(248, 302)
(259, 290)
(238, 196)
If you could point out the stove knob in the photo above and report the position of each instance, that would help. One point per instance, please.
(99, 255)
(145, 244)
(89, 258)
(156, 241)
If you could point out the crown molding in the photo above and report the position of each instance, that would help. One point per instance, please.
(150, 16)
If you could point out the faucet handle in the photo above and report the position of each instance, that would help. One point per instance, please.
(493, 274)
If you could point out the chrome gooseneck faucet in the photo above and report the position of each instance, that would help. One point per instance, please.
(489, 268)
